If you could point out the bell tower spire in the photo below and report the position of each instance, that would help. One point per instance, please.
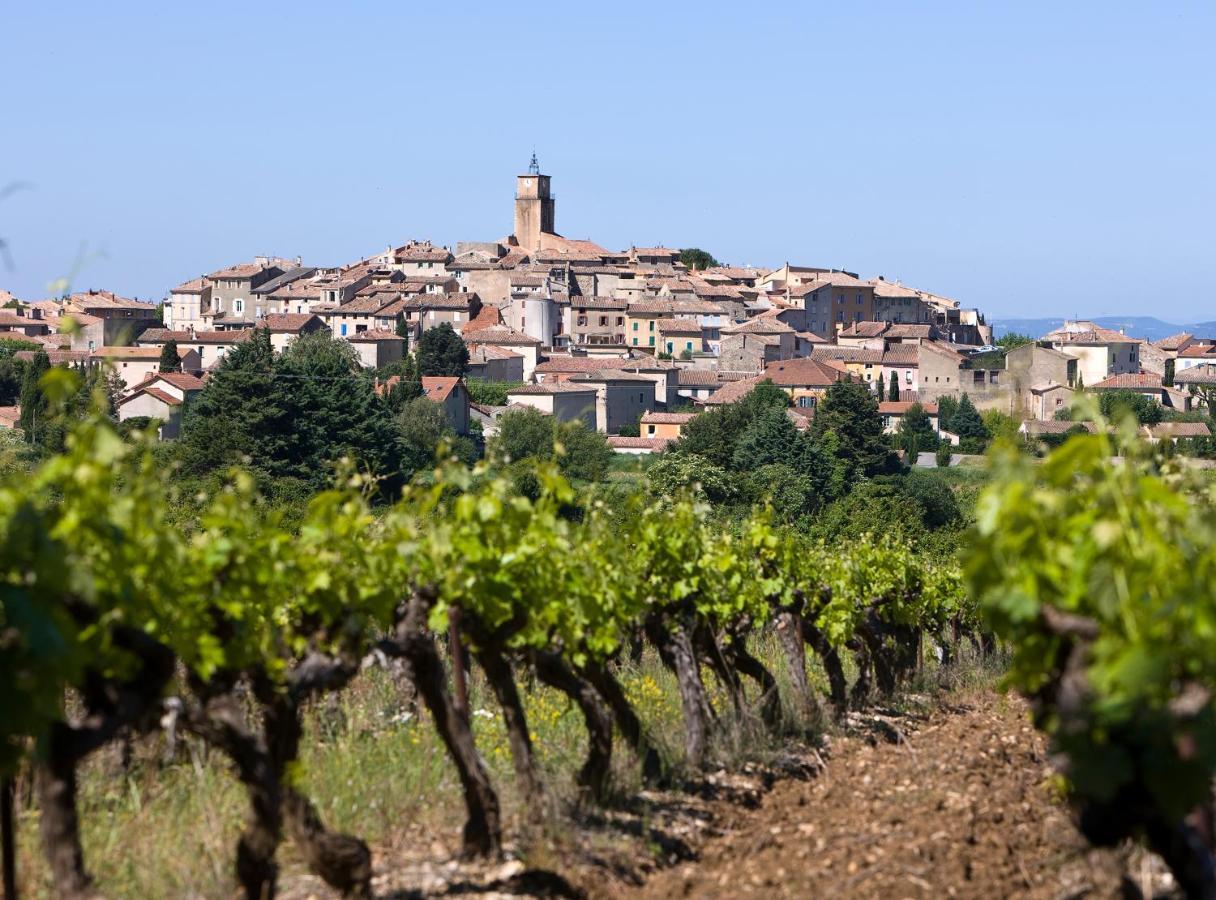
(534, 207)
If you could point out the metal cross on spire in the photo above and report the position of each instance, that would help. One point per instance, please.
(534, 166)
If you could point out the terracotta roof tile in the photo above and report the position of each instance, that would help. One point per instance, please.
(374, 335)
(552, 387)
(1179, 430)
(193, 286)
(800, 372)
(181, 380)
(439, 387)
(498, 334)
(638, 443)
(1130, 381)
(666, 418)
(290, 323)
(562, 364)
(865, 330)
(899, 407)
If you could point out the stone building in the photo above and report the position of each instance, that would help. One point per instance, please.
(534, 208)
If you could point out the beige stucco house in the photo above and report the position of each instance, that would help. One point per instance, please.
(622, 398)
(164, 397)
(566, 402)
(378, 349)
(134, 365)
(664, 424)
(450, 393)
(1100, 352)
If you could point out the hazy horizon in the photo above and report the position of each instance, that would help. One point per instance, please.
(1033, 162)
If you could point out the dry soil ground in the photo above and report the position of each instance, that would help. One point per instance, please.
(963, 807)
(960, 804)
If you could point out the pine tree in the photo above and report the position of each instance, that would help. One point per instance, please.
(291, 416)
(170, 360)
(850, 411)
(894, 392)
(244, 412)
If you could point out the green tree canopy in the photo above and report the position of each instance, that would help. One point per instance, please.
(946, 407)
(770, 438)
(12, 375)
(1116, 404)
(530, 434)
(849, 410)
(916, 426)
(715, 434)
(1013, 340)
(290, 416)
(424, 427)
(672, 473)
(490, 393)
(790, 492)
(969, 426)
(170, 360)
(441, 351)
(696, 258)
(35, 408)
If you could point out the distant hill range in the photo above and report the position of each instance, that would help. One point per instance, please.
(1145, 327)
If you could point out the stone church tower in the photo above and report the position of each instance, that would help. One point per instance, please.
(533, 208)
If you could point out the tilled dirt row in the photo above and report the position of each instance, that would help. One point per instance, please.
(962, 808)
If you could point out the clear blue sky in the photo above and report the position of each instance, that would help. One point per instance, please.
(1030, 158)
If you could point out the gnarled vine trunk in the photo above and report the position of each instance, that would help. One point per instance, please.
(674, 643)
(793, 645)
(221, 722)
(837, 683)
(412, 644)
(712, 652)
(58, 824)
(343, 861)
(742, 660)
(859, 697)
(631, 728)
(110, 706)
(502, 683)
(871, 634)
(8, 837)
(595, 773)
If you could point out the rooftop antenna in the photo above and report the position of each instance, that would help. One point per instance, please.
(534, 166)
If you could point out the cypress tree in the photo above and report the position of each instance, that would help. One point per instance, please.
(170, 360)
(34, 406)
(969, 426)
(894, 392)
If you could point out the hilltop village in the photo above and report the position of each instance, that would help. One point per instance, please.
(633, 342)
